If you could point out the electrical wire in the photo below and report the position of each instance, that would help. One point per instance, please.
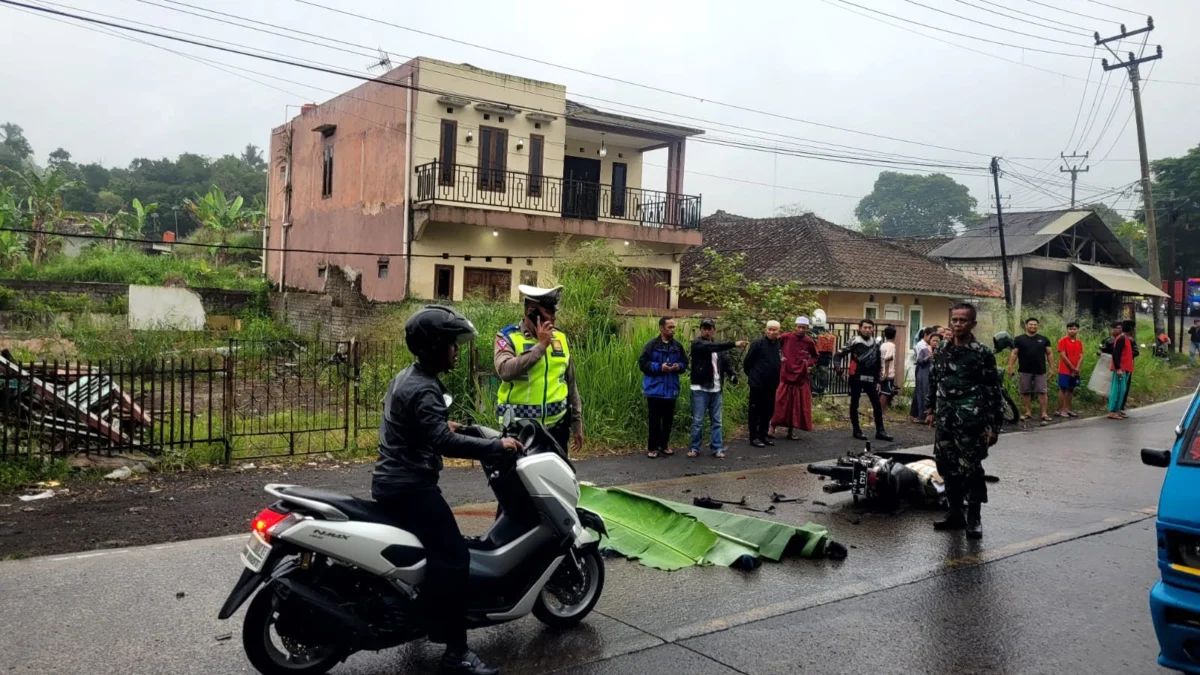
(1036, 16)
(1079, 112)
(946, 30)
(1067, 11)
(1105, 4)
(990, 25)
(1074, 31)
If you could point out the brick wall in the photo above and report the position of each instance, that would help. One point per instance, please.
(987, 270)
(216, 300)
(338, 312)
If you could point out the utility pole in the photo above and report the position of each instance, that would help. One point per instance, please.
(1073, 170)
(1148, 200)
(1000, 226)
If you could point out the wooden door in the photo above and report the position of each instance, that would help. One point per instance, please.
(488, 283)
(493, 158)
(581, 187)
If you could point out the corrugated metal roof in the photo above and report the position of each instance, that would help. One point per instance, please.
(1121, 280)
(1026, 232)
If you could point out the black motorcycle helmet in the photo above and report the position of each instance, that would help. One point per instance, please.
(431, 329)
(1002, 341)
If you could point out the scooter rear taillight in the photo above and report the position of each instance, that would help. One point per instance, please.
(266, 521)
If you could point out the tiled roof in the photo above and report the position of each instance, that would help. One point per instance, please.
(1025, 232)
(823, 255)
(920, 245)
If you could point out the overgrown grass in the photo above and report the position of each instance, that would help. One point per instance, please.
(122, 265)
(15, 475)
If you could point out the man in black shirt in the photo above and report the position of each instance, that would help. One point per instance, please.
(1194, 332)
(762, 364)
(1032, 352)
(866, 365)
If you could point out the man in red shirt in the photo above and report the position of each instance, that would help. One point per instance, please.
(1122, 367)
(1070, 359)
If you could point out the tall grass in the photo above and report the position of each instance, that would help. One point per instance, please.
(122, 265)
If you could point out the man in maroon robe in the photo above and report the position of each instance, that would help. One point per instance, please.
(793, 399)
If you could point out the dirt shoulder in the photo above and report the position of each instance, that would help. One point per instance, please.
(162, 507)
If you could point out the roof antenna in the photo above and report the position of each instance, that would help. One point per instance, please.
(384, 62)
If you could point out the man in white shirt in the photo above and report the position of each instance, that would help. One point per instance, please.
(887, 351)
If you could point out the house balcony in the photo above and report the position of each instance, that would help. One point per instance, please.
(557, 204)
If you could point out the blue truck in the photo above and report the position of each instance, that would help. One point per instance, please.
(1175, 599)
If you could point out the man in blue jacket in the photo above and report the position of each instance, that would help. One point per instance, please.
(661, 362)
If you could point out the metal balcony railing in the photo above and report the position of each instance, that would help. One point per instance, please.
(463, 184)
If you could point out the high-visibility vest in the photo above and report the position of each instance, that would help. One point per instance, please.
(541, 392)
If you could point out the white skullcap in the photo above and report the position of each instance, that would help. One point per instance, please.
(772, 324)
(802, 321)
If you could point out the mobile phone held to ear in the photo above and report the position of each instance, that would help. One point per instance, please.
(535, 317)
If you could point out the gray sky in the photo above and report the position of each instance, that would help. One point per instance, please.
(110, 100)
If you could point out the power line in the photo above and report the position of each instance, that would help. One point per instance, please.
(1104, 4)
(990, 25)
(663, 90)
(1126, 125)
(1075, 31)
(1067, 11)
(946, 30)
(1079, 112)
(1035, 16)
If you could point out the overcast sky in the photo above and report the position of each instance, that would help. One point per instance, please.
(109, 100)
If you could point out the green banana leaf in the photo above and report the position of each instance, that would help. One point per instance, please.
(647, 531)
(734, 535)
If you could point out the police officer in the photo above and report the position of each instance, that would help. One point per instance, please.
(414, 434)
(537, 375)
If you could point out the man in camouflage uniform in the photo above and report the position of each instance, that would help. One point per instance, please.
(964, 409)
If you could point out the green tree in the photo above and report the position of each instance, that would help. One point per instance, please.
(12, 244)
(221, 215)
(15, 151)
(252, 157)
(907, 205)
(1176, 190)
(108, 201)
(720, 282)
(43, 207)
(595, 283)
(134, 224)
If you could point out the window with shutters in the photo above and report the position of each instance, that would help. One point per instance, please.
(448, 152)
(493, 157)
(536, 152)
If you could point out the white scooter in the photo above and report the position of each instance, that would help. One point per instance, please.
(337, 576)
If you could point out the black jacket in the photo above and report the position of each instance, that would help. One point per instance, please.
(762, 363)
(702, 366)
(414, 433)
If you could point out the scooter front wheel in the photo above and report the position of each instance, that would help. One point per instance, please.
(274, 654)
(573, 591)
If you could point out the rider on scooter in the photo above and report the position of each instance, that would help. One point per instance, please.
(414, 434)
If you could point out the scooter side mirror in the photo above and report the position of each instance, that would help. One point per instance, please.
(1156, 457)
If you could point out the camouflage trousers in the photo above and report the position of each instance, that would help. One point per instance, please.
(959, 455)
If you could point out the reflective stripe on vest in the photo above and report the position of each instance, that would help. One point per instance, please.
(541, 392)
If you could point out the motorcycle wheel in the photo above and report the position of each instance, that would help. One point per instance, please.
(273, 654)
(1009, 408)
(565, 601)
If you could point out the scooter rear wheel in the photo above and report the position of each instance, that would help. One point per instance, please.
(273, 654)
(566, 600)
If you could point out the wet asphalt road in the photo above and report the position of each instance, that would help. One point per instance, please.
(1058, 585)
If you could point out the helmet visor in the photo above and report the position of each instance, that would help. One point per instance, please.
(467, 336)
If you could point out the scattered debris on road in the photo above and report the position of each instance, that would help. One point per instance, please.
(45, 494)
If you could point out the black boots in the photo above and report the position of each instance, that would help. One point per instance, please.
(860, 435)
(956, 518)
(974, 521)
(883, 436)
(465, 663)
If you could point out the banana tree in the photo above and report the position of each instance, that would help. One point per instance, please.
(107, 226)
(43, 208)
(135, 223)
(222, 216)
(12, 244)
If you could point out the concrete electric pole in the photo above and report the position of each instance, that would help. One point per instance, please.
(1131, 66)
(1074, 171)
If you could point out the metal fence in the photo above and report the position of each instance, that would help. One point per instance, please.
(59, 408)
(466, 184)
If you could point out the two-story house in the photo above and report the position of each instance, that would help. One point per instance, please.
(454, 181)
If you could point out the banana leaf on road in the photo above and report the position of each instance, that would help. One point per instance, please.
(669, 535)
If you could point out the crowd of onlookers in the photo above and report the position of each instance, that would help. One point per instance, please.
(779, 367)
